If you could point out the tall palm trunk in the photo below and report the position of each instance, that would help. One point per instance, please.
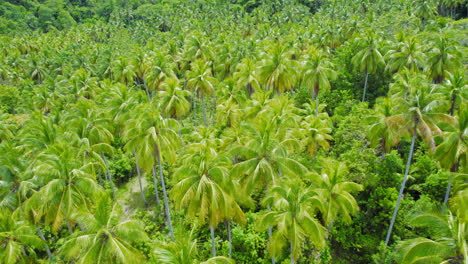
(157, 156)
(453, 170)
(41, 235)
(205, 120)
(213, 247)
(142, 193)
(292, 255)
(109, 176)
(270, 235)
(228, 227)
(402, 188)
(452, 105)
(155, 183)
(365, 87)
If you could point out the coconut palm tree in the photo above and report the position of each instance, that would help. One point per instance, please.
(203, 186)
(444, 58)
(292, 213)
(107, 236)
(382, 133)
(405, 53)
(246, 75)
(201, 82)
(420, 114)
(447, 236)
(334, 192)
(369, 58)
(317, 73)
(316, 132)
(457, 88)
(184, 250)
(173, 100)
(277, 71)
(153, 138)
(17, 237)
(67, 186)
(452, 152)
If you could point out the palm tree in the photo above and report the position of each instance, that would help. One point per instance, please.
(405, 53)
(173, 100)
(381, 131)
(263, 158)
(153, 138)
(334, 192)
(68, 186)
(292, 212)
(452, 152)
(316, 130)
(200, 81)
(317, 74)
(447, 236)
(16, 237)
(203, 187)
(107, 236)
(444, 58)
(184, 250)
(123, 71)
(246, 75)
(425, 9)
(369, 58)
(457, 89)
(420, 114)
(277, 71)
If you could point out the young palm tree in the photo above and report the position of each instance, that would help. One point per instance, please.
(292, 212)
(457, 87)
(317, 74)
(16, 238)
(201, 82)
(369, 58)
(421, 113)
(153, 138)
(334, 192)
(107, 236)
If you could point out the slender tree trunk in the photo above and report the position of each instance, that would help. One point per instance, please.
(99, 177)
(365, 87)
(316, 104)
(452, 106)
(292, 254)
(109, 176)
(195, 117)
(70, 230)
(41, 235)
(142, 193)
(213, 248)
(402, 188)
(157, 155)
(205, 120)
(228, 227)
(270, 235)
(146, 89)
(449, 185)
(155, 183)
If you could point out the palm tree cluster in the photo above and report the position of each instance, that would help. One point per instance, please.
(221, 122)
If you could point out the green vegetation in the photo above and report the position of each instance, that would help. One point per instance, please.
(233, 131)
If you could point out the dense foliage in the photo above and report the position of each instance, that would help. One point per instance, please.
(282, 131)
